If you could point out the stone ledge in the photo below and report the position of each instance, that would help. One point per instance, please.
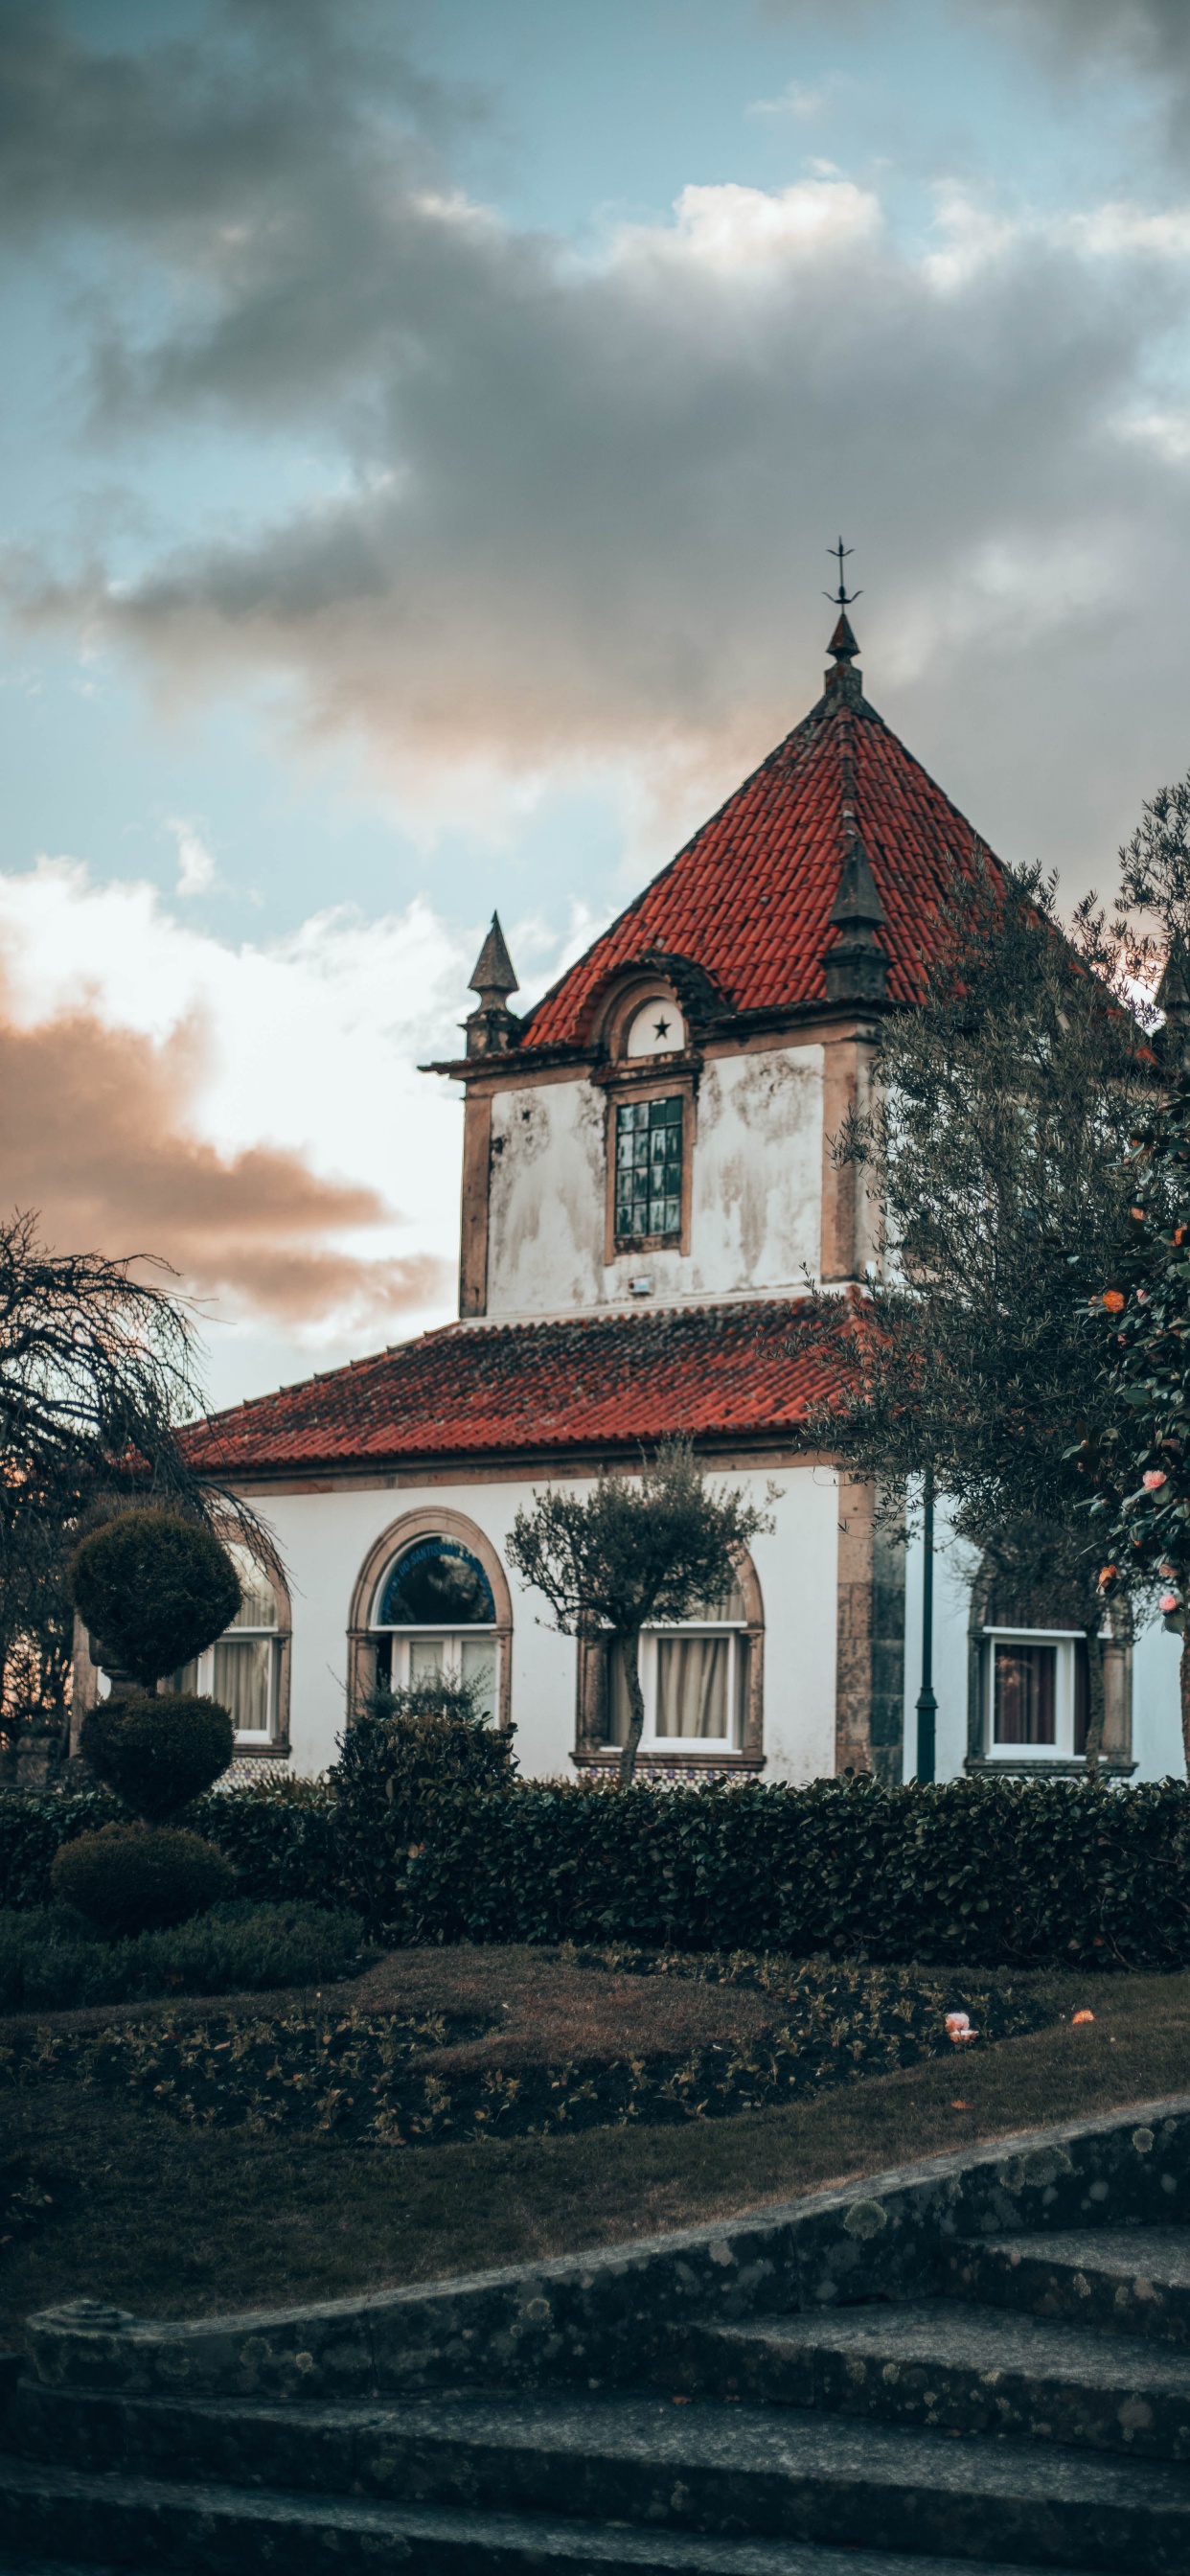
(599, 2318)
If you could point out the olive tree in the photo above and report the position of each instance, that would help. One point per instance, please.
(642, 1548)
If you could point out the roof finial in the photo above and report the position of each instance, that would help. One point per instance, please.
(493, 1025)
(842, 644)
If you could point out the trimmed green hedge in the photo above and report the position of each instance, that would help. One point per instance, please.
(991, 1873)
(52, 1961)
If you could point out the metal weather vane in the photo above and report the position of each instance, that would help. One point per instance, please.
(842, 598)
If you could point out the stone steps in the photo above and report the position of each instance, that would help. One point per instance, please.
(911, 2379)
(194, 2530)
(646, 2462)
(934, 2364)
(1118, 2281)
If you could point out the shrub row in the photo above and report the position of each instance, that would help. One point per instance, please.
(371, 2076)
(51, 1960)
(990, 1873)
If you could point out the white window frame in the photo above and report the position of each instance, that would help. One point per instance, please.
(1066, 1641)
(692, 1747)
(452, 1641)
(204, 1677)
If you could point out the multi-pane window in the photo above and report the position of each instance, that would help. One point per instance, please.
(242, 1669)
(436, 1620)
(694, 1679)
(648, 1169)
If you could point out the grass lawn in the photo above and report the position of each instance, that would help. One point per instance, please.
(108, 2196)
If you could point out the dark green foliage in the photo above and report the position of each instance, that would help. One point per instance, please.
(34, 1823)
(373, 2076)
(155, 1590)
(128, 1880)
(52, 1960)
(1140, 1464)
(416, 1768)
(158, 1754)
(978, 1873)
(280, 1836)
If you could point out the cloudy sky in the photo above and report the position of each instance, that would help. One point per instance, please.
(423, 426)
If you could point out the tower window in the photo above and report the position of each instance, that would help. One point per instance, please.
(648, 1169)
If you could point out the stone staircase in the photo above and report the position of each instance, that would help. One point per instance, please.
(1028, 2408)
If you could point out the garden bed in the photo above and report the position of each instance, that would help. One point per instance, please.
(103, 2196)
(672, 2039)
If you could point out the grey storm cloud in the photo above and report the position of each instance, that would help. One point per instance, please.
(583, 498)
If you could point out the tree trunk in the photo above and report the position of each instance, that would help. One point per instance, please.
(1096, 1702)
(1184, 1676)
(628, 1649)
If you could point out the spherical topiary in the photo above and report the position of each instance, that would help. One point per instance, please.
(155, 1590)
(158, 1754)
(126, 1880)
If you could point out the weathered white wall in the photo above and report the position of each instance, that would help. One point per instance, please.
(324, 1539)
(547, 1194)
(1156, 1725)
(756, 1190)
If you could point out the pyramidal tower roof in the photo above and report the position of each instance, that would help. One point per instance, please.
(752, 899)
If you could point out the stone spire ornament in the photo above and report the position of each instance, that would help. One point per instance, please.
(492, 1027)
(856, 967)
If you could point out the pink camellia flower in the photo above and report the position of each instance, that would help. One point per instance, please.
(1168, 1603)
(1153, 1479)
(958, 2028)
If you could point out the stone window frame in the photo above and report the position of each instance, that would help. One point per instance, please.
(592, 1752)
(640, 1078)
(425, 1522)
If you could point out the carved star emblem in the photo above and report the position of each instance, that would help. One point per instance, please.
(661, 1028)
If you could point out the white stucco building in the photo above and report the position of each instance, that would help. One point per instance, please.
(647, 1188)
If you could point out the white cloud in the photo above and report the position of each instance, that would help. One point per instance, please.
(1167, 433)
(1120, 230)
(308, 1043)
(733, 231)
(795, 100)
(197, 873)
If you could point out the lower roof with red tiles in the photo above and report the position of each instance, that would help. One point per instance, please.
(596, 1382)
(749, 899)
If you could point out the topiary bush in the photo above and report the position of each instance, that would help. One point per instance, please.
(158, 1754)
(154, 1590)
(417, 1766)
(53, 1960)
(128, 1880)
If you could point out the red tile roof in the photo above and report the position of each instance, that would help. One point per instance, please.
(749, 898)
(594, 1381)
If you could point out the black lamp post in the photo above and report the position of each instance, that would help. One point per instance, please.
(927, 1705)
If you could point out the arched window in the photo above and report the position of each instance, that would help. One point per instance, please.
(245, 1668)
(433, 1605)
(701, 1679)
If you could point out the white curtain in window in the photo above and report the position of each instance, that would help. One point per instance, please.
(692, 1686)
(478, 1666)
(241, 1682)
(257, 1607)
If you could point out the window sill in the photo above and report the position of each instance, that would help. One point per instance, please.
(1054, 1766)
(605, 1757)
